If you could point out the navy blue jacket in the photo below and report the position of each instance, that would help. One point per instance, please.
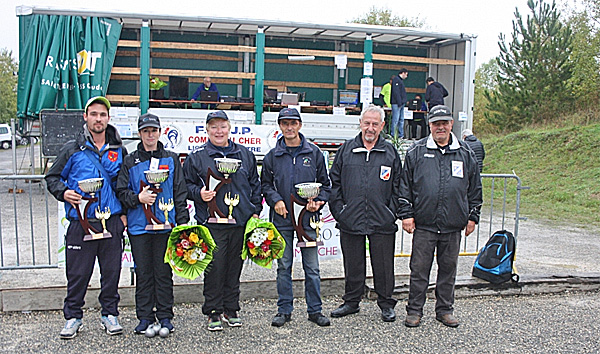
(73, 165)
(244, 182)
(128, 188)
(435, 93)
(398, 91)
(364, 187)
(281, 172)
(441, 190)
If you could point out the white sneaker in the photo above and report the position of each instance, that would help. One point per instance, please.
(111, 324)
(71, 328)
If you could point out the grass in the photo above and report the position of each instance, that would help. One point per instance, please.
(560, 165)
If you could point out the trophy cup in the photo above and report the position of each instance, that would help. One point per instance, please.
(156, 177)
(306, 191)
(226, 167)
(91, 186)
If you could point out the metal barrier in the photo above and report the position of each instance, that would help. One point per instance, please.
(26, 243)
(490, 219)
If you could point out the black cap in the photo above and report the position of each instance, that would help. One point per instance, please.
(440, 112)
(289, 113)
(148, 120)
(217, 114)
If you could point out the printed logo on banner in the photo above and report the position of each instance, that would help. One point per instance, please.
(385, 173)
(272, 137)
(171, 137)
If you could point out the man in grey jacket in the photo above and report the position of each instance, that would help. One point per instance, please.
(440, 195)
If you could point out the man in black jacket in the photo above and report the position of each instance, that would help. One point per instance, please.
(398, 100)
(364, 198)
(440, 195)
(295, 160)
(435, 93)
(476, 145)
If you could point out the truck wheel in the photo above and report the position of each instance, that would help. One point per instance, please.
(6, 145)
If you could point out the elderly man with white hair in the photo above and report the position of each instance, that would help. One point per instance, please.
(476, 145)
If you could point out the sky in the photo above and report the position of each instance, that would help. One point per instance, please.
(484, 18)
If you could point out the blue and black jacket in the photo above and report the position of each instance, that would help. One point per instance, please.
(281, 171)
(128, 188)
(245, 182)
(73, 164)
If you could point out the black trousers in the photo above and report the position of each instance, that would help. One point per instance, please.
(154, 278)
(381, 249)
(80, 259)
(424, 245)
(222, 280)
(414, 123)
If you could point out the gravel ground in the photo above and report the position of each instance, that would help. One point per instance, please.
(565, 323)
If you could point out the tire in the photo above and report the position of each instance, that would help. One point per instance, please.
(5, 145)
(24, 141)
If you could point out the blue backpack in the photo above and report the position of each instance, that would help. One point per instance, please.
(494, 262)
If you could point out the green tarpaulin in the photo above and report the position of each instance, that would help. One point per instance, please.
(65, 61)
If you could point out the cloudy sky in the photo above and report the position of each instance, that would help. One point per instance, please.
(484, 18)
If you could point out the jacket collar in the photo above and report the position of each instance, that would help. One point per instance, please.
(213, 150)
(431, 144)
(148, 154)
(113, 139)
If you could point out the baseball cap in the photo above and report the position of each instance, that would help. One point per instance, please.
(97, 99)
(439, 112)
(289, 113)
(148, 120)
(217, 114)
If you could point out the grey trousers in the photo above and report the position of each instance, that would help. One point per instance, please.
(424, 245)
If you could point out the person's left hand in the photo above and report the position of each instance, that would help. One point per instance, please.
(313, 206)
(470, 227)
(255, 216)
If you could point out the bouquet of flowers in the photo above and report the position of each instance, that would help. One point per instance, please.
(263, 243)
(189, 250)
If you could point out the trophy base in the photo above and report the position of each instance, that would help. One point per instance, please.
(309, 244)
(97, 236)
(221, 221)
(154, 227)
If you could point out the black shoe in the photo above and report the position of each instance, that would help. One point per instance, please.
(344, 310)
(319, 319)
(388, 315)
(280, 319)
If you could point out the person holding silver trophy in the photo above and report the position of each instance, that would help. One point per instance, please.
(289, 169)
(152, 189)
(222, 180)
(83, 177)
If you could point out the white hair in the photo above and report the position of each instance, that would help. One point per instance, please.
(375, 109)
(467, 132)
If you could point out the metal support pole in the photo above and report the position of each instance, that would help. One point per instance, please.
(260, 75)
(145, 67)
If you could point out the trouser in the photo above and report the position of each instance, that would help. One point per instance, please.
(424, 246)
(154, 278)
(80, 257)
(381, 249)
(222, 280)
(397, 120)
(413, 128)
(312, 276)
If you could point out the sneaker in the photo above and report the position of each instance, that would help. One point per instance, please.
(71, 328)
(319, 319)
(111, 324)
(280, 319)
(166, 323)
(141, 328)
(214, 322)
(232, 319)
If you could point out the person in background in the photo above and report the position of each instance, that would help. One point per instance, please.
(295, 160)
(398, 100)
(386, 92)
(365, 178)
(154, 277)
(97, 152)
(222, 282)
(207, 85)
(419, 120)
(440, 195)
(476, 145)
(435, 93)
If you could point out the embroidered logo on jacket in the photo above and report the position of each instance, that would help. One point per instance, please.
(385, 173)
(306, 161)
(113, 156)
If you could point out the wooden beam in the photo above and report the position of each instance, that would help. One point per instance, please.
(123, 98)
(185, 73)
(420, 60)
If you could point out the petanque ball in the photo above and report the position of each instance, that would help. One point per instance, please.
(164, 332)
(150, 332)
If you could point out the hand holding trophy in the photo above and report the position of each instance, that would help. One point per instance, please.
(225, 166)
(307, 191)
(91, 186)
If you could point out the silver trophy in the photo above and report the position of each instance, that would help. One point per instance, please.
(156, 177)
(226, 166)
(306, 191)
(91, 186)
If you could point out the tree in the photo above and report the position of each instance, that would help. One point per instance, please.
(485, 79)
(534, 69)
(8, 86)
(384, 17)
